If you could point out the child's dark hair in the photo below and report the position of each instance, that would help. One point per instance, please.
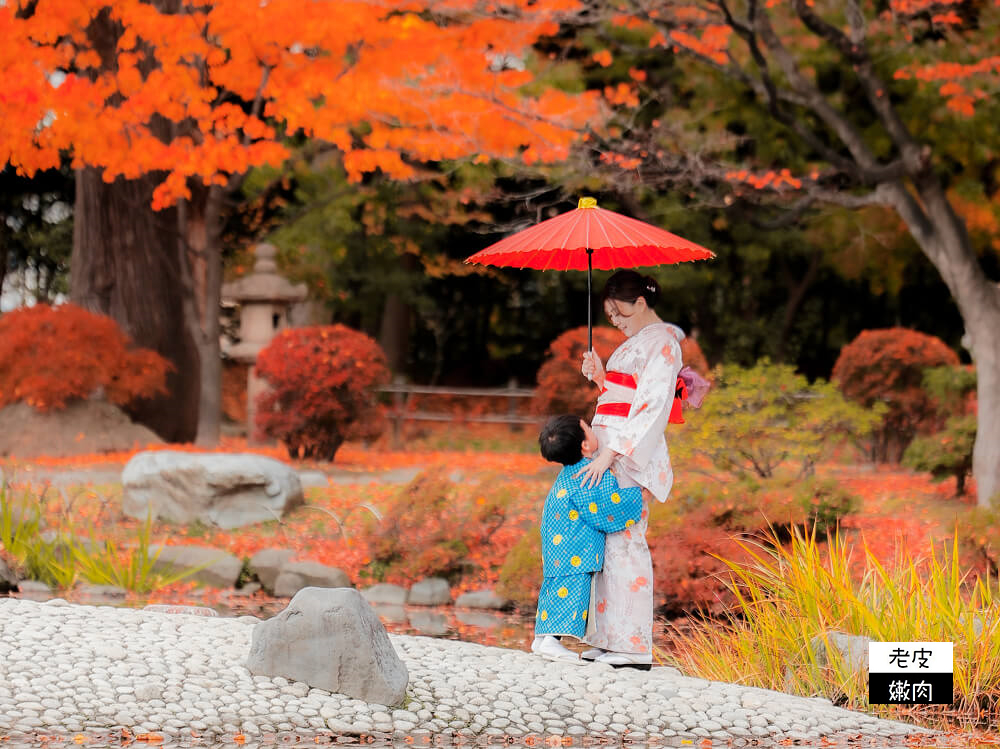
(627, 286)
(561, 438)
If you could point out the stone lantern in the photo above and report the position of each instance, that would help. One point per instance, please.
(264, 298)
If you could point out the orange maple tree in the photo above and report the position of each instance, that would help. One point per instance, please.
(182, 99)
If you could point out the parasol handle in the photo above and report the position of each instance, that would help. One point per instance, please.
(590, 316)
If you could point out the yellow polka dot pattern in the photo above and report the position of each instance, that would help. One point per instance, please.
(556, 539)
(562, 592)
(561, 493)
(573, 514)
(576, 561)
(629, 523)
(545, 615)
(585, 614)
(592, 507)
(616, 497)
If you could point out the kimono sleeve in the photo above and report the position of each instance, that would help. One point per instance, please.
(607, 507)
(642, 431)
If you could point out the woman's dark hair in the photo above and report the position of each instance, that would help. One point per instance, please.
(561, 438)
(627, 286)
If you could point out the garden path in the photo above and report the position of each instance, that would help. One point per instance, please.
(89, 670)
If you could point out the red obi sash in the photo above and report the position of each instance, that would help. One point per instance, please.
(620, 378)
(616, 409)
(622, 409)
(613, 409)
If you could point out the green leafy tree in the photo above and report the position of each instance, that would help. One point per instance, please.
(36, 231)
(803, 103)
(757, 418)
(948, 452)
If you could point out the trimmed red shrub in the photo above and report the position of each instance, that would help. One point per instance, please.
(322, 382)
(888, 366)
(50, 356)
(692, 356)
(561, 386)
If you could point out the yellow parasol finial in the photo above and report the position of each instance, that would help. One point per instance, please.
(587, 203)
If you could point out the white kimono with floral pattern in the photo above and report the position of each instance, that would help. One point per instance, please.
(623, 600)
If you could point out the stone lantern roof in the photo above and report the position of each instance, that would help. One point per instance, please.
(264, 284)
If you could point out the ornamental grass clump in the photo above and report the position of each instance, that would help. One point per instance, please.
(60, 557)
(790, 600)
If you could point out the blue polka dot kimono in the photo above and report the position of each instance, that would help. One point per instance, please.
(574, 522)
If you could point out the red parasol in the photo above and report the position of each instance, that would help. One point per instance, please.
(587, 238)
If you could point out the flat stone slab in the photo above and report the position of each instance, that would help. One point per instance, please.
(67, 668)
(229, 490)
(210, 566)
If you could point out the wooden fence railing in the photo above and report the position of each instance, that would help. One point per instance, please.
(402, 411)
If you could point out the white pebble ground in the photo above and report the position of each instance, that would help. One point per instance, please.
(79, 669)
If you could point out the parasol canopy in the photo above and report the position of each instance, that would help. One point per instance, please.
(590, 237)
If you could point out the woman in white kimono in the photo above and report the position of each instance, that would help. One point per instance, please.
(637, 394)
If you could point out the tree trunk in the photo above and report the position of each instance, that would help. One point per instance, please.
(200, 254)
(797, 289)
(394, 334)
(124, 265)
(942, 236)
(986, 453)
(3, 263)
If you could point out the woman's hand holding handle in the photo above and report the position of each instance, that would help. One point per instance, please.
(592, 368)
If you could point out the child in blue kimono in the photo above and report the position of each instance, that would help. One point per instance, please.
(574, 522)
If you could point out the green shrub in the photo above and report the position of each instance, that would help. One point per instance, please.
(521, 573)
(947, 453)
(757, 418)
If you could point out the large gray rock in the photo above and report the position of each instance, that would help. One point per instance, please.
(227, 490)
(853, 649)
(213, 567)
(295, 576)
(385, 593)
(482, 599)
(99, 593)
(34, 590)
(266, 564)
(431, 591)
(430, 623)
(330, 638)
(8, 580)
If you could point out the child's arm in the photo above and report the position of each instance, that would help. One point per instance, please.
(607, 507)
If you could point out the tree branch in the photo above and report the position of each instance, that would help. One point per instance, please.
(870, 170)
(875, 89)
